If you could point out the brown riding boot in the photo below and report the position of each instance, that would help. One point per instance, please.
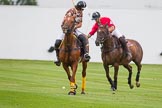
(57, 62)
(84, 42)
(86, 54)
(125, 48)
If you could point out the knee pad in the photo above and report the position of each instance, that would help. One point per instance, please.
(57, 43)
(122, 39)
(82, 38)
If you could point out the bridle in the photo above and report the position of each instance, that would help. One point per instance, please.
(105, 33)
(66, 28)
(106, 36)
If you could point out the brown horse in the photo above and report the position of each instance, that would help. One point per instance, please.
(71, 54)
(113, 54)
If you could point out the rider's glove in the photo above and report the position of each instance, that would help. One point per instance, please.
(88, 36)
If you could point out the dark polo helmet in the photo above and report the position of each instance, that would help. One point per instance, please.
(95, 15)
(81, 5)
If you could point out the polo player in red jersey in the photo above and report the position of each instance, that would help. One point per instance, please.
(112, 29)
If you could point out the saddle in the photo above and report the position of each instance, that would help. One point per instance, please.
(117, 42)
(116, 46)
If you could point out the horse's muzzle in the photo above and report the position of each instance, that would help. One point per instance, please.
(66, 31)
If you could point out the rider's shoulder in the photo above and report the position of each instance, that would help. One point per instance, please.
(105, 17)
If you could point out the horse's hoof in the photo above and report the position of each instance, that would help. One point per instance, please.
(82, 92)
(115, 88)
(72, 93)
(113, 92)
(138, 84)
(131, 86)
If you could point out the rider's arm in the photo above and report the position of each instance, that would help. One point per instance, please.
(78, 25)
(110, 24)
(78, 20)
(111, 29)
(93, 30)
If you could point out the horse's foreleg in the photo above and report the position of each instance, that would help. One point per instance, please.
(139, 66)
(116, 68)
(66, 68)
(71, 79)
(106, 67)
(84, 67)
(129, 68)
(73, 85)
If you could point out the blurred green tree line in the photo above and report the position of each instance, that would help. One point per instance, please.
(18, 2)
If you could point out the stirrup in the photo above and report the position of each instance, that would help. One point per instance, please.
(87, 57)
(58, 63)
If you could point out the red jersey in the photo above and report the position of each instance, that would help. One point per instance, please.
(103, 21)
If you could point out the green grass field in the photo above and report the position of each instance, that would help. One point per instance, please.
(38, 84)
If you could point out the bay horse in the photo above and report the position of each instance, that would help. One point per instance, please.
(70, 54)
(113, 54)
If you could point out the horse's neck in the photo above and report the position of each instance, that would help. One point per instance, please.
(69, 39)
(109, 42)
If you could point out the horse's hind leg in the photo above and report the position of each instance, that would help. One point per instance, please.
(116, 68)
(129, 68)
(84, 67)
(139, 66)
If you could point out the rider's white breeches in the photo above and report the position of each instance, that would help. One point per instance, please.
(116, 33)
(76, 32)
